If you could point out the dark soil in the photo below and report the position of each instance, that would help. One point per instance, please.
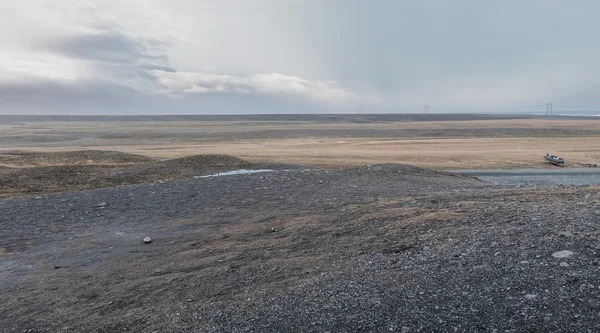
(372, 249)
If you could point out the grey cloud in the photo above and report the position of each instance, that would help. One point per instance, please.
(43, 92)
(107, 46)
(145, 71)
(102, 97)
(150, 67)
(187, 83)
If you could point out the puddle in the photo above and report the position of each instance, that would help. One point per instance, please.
(236, 172)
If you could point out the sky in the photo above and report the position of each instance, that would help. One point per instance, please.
(296, 56)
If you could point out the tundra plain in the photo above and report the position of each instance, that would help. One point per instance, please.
(462, 142)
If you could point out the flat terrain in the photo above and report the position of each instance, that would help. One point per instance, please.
(284, 224)
(343, 141)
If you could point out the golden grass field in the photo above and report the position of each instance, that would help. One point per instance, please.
(435, 144)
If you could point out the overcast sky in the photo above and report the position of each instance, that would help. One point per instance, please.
(290, 56)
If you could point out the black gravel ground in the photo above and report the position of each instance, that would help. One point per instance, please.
(373, 249)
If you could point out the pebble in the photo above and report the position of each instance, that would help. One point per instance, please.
(563, 264)
(531, 296)
(102, 204)
(565, 234)
(562, 254)
(147, 240)
(273, 229)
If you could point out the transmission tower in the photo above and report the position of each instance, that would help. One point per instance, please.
(426, 108)
(548, 109)
(360, 110)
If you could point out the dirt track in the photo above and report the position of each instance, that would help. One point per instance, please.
(381, 248)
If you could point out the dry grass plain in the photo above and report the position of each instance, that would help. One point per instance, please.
(507, 143)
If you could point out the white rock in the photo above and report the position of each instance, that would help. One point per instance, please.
(562, 254)
(563, 264)
(531, 296)
(147, 240)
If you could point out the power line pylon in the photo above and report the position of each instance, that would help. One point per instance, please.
(548, 109)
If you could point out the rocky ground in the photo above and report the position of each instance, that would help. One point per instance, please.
(372, 249)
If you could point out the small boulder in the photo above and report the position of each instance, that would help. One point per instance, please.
(562, 254)
(565, 234)
(147, 240)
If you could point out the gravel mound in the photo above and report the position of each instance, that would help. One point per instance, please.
(61, 178)
(401, 170)
(185, 167)
(64, 178)
(205, 161)
(81, 157)
(387, 168)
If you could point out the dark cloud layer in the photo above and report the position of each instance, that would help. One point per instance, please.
(106, 46)
(103, 97)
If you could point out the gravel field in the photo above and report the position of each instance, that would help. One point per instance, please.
(372, 249)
